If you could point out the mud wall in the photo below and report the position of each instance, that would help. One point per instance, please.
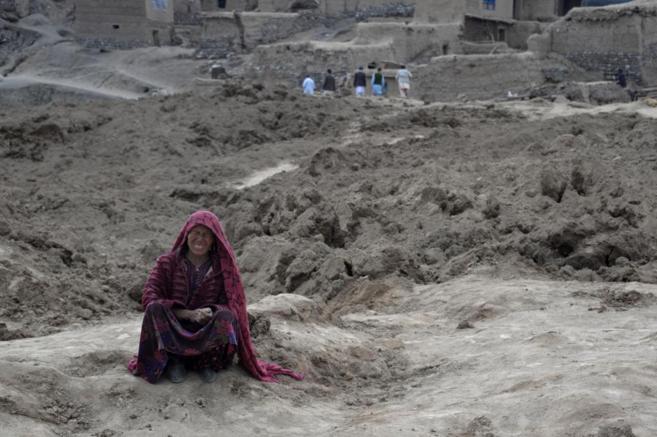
(649, 50)
(122, 23)
(288, 62)
(503, 9)
(409, 41)
(542, 10)
(372, 7)
(515, 34)
(375, 42)
(605, 39)
(332, 8)
(229, 5)
(439, 11)
(163, 12)
(477, 76)
(435, 11)
(186, 11)
(229, 31)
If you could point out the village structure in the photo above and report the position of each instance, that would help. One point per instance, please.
(386, 33)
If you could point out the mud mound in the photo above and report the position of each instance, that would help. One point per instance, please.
(50, 255)
(424, 213)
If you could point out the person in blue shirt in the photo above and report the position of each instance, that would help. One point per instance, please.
(378, 82)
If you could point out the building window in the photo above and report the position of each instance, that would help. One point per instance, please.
(160, 4)
(221, 4)
(488, 4)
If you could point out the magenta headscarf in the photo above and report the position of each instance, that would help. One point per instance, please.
(261, 370)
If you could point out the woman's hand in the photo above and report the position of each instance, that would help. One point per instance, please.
(200, 316)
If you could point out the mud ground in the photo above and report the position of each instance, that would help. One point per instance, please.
(435, 269)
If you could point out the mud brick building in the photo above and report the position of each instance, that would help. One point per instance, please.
(124, 23)
(513, 21)
(605, 39)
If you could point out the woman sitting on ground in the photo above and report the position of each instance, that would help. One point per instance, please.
(195, 310)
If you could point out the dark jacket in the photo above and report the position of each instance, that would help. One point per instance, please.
(360, 79)
(329, 83)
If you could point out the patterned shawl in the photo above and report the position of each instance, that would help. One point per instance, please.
(261, 370)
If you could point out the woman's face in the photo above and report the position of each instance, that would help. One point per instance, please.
(200, 240)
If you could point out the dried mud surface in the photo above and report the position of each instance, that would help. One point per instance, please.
(453, 270)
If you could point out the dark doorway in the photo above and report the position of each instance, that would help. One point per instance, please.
(565, 5)
(221, 4)
(156, 38)
(517, 9)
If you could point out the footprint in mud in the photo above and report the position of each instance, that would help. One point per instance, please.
(176, 411)
(619, 429)
(625, 299)
(479, 427)
(550, 339)
(478, 313)
(620, 300)
(96, 363)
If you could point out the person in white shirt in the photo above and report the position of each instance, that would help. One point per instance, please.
(308, 86)
(403, 77)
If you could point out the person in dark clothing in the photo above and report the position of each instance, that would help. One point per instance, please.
(360, 82)
(329, 83)
(620, 78)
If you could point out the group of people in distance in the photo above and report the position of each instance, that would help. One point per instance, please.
(328, 87)
(377, 82)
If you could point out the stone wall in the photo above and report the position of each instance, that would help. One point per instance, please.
(602, 40)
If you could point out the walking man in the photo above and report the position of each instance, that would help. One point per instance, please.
(378, 82)
(360, 82)
(403, 77)
(308, 86)
(329, 83)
